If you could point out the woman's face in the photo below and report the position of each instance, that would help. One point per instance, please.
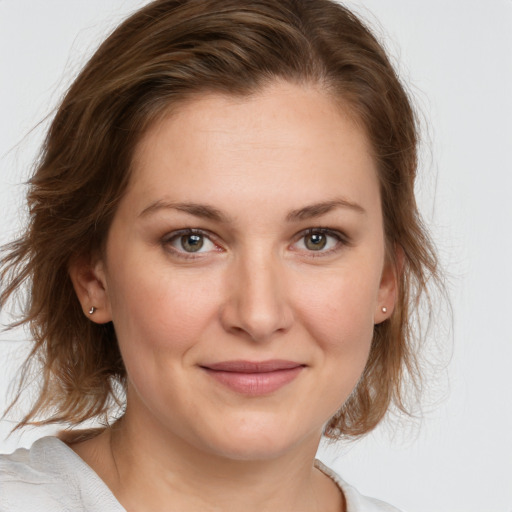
(245, 270)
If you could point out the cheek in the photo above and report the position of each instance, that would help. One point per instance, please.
(155, 312)
(339, 316)
(339, 309)
(159, 319)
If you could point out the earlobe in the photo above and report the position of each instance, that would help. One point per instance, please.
(90, 286)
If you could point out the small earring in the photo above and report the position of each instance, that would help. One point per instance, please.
(384, 309)
(92, 310)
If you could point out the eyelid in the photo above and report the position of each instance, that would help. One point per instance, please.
(173, 235)
(342, 241)
(342, 238)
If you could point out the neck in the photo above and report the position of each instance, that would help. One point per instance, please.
(150, 472)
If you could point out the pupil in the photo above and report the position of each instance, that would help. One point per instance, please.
(192, 243)
(316, 241)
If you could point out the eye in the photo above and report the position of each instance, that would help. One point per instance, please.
(319, 240)
(189, 242)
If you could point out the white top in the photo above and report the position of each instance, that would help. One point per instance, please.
(51, 477)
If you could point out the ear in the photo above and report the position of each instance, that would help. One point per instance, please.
(89, 281)
(388, 288)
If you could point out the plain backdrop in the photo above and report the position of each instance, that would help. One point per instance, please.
(456, 57)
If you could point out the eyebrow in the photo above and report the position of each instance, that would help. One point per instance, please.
(209, 212)
(318, 209)
(198, 210)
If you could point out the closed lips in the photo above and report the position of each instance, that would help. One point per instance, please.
(252, 378)
(253, 367)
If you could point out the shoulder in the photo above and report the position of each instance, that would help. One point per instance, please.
(50, 477)
(355, 501)
(28, 477)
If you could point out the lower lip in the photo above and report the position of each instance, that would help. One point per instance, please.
(255, 384)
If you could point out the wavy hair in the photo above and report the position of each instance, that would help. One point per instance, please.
(162, 55)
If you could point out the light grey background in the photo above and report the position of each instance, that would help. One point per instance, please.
(457, 56)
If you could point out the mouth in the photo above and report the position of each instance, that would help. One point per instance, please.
(254, 378)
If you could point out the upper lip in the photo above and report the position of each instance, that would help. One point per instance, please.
(253, 366)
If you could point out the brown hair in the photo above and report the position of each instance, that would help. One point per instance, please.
(160, 56)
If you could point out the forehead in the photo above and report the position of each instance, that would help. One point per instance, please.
(287, 141)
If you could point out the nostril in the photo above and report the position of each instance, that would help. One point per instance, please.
(256, 305)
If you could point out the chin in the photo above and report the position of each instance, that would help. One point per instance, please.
(252, 450)
(253, 442)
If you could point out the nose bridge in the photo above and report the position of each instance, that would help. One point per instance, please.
(258, 302)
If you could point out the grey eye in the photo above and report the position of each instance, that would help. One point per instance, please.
(315, 241)
(319, 240)
(192, 243)
(189, 242)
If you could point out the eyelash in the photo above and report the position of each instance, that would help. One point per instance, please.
(341, 239)
(175, 235)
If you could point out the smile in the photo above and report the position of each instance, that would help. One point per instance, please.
(254, 378)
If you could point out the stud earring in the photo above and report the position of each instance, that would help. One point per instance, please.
(92, 310)
(384, 309)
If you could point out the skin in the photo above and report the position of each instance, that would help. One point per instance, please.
(258, 289)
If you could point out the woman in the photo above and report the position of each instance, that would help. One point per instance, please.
(224, 240)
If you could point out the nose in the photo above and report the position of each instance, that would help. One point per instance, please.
(257, 304)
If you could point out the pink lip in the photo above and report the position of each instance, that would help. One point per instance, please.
(254, 378)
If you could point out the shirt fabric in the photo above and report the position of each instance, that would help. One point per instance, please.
(51, 477)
